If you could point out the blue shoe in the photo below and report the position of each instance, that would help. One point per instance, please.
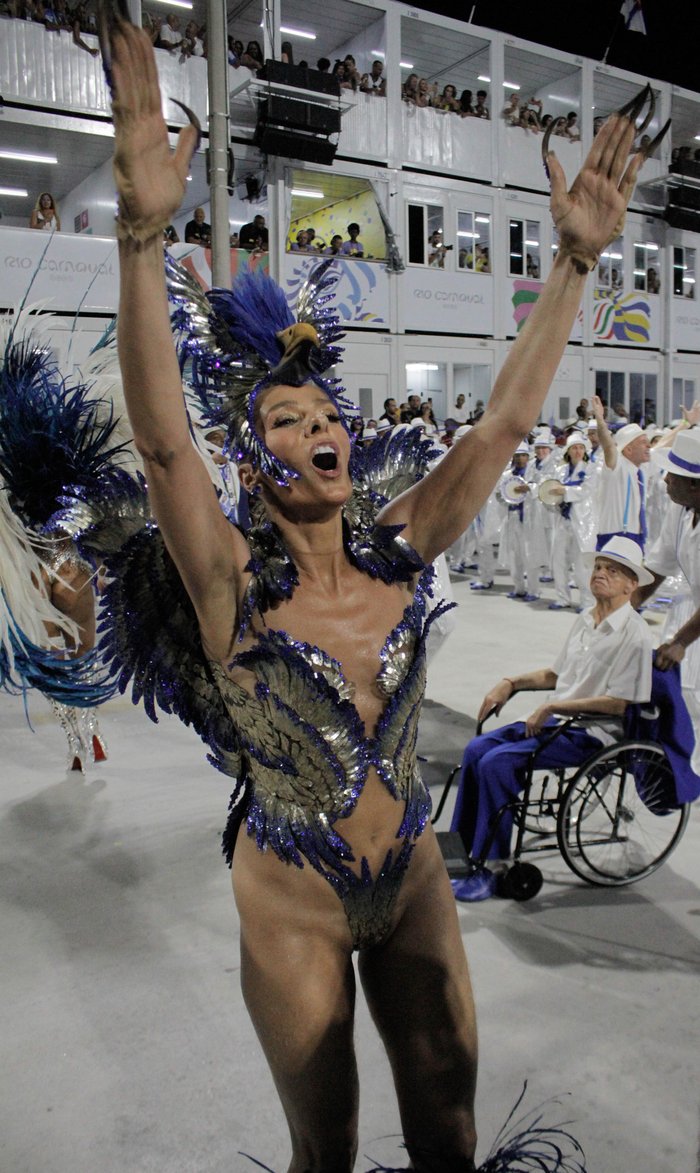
(528, 598)
(480, 586)
(481, 885)
(517, 595)
(558, 607)
(546, 578)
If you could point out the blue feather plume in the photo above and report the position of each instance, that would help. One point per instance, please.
(254, 311)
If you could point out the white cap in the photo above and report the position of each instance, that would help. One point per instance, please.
(544, 438)
(384, 425)
(369, 434)
(576, 438)
(523, 449)
(624, 551)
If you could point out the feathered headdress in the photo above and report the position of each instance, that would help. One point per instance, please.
(235, 343)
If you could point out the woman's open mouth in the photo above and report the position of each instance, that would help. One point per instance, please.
(325, 459)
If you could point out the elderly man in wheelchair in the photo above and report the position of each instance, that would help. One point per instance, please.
(604, 666)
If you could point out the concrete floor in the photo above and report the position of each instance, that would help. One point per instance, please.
(125, 1045)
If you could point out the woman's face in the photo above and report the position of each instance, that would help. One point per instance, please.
(412, 81)
(46, 200)
(423, 86)
(253, 49)
(450, 92)
(302, 427)
(576, 453)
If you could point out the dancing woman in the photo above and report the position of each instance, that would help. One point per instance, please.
(314, 639)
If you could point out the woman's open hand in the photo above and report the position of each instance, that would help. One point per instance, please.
(150, 177)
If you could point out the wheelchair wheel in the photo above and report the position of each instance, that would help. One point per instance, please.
(618, 820)
(521, 882)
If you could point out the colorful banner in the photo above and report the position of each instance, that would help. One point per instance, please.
(361, 295)
(621, 317)
(525, 294)
(197, 261)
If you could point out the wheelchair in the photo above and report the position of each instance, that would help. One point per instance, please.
(615, 819)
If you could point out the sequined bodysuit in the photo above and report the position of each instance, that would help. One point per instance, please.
(306, 757)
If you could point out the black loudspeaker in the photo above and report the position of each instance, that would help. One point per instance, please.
(682, 218)
(292, 113)
(295, 75)
(685, 197)
(273, 140)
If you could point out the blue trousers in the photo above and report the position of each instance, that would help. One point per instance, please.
(494, 766)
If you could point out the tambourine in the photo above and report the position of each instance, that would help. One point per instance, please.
(549, 491)
(512, 490)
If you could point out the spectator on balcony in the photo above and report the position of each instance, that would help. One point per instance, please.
(545, 121)
(254, 234)
(234, 241)
(353, 247)
(482, 264)
(511, 111)
(653, 283)
(352, 73)
(252, 58)
(323, 65)
(197, 231)
(345, 81)
(530, 115)
(571, 127)
(481, 109)
(426, 93)
(192, 43)
(150, 27)
(374, 82)
(235, 52)
(409, 89)
(532, 267)
(466, 105)
(169, 36)
(300, 244)
(286, 53)
(45, 214)
(447, 100)
(56, 17)
(170, 236)
(316, 245)
(335, 248)
(80, 23)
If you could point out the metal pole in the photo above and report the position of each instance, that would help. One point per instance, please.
(219, 141)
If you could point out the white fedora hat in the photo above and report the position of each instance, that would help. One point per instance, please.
(627, 553)
(544, 438)
(462, 431)
(523, 449)
(683, 458)
(625, 436)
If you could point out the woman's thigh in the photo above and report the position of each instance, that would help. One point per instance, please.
(418, 989)
(299, 987)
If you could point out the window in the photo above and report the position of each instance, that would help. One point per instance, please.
(683, 396)
(474, 242)
(610, 386)
(426, 245)
(524, 249)
(610, 272)
(684, 272)
(647, 268)
(643, 399)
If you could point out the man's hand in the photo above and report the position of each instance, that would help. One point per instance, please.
(495, 699)
(669, 654)
(592, 212)
(692, 414)
(536, 720)
(598, 408)
(150, 177)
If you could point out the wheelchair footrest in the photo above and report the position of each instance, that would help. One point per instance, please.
(454, 854)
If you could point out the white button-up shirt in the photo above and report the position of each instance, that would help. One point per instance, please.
(619, 502)
(678, 548)
(612, 659)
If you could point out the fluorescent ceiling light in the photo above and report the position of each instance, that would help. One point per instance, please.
(650, 248)
(482, 77)
(285, 28)
(306, 193)
(27, 157)
(20, 192)
(376, 53)
(481, 219)
(176, 3)
(406, 64)
(422, 366)
(471, 235)
(533, 243)
(510, 85)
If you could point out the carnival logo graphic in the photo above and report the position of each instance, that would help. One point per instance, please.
(619, 316)
(525, 294)
(353, 295)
